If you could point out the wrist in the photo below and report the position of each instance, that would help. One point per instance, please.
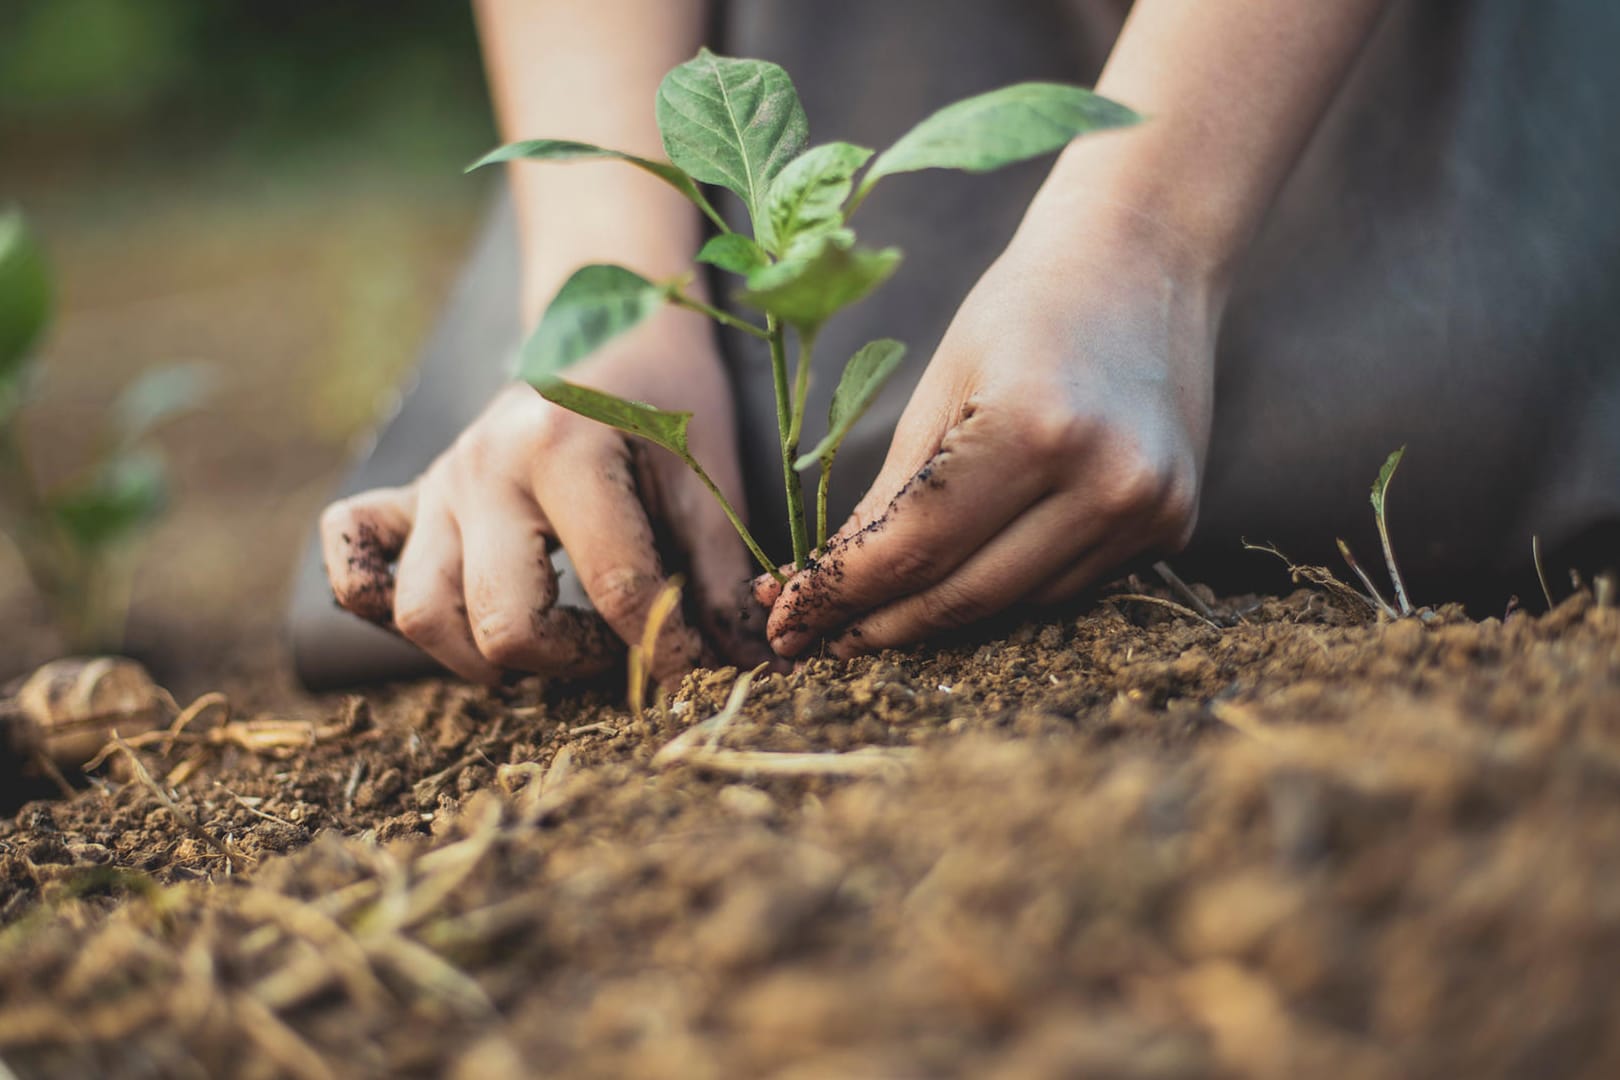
(1130, 196)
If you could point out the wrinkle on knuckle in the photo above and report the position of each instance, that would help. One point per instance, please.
(506, 638)
(417, 617)
(621, 595)
(948, 607)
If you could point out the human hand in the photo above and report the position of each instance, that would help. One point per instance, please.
(474, 586)
(1059, 431)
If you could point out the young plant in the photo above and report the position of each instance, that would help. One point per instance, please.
(76, 539)
(738, 124)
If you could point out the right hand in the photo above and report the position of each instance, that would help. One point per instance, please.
(474, 585)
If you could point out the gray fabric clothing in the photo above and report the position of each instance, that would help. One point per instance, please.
(1435, 274)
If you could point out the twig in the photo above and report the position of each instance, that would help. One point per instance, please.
(591, 729)
(254, 810)
(427, 789)
(1541, 575)
(1185, 591)
(356, 774)
(1319, 576)
(711, 729)
(867, 761)
(1382, 605)
(1171, 604)
(180, 816)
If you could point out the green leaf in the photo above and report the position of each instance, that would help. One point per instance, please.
(807, 290)
(113, 503)
(25, 300)
(735, 123)
(1381, 485)
(597, 304)
(159, 396)
(733, 252)
(808, 195)
(998, 128)
(858, 387)
(568, 150)
(665, 429)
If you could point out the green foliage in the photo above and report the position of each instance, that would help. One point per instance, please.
(25, 306)
(735, 123)
(999, 128)
(1380, 489)
(734, 252)
(738, 124)
(568, 150)
(74, 539)
(807, 197)
(595, 305)
(111, 505)
(863, 377)
(807, 290)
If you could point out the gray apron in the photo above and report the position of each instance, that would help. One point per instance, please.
(1436, 273)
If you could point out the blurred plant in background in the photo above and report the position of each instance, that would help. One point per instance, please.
(257, 85)
(76, 538)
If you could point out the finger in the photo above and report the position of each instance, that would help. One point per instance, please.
(944, 513)
(428, 606)
(1038, 545)
(361, 537)
(1071, 581)
(766, 588)
(608, 537)
(510, 588)
(718, 562)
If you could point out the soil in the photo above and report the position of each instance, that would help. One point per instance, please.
(1113, 841)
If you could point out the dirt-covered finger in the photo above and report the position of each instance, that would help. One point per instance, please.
(507, 578)
(429, 609)
(1044, 539)
(595, 509)
(361, 537)
(943, 514)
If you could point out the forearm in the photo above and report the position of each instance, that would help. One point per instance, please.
(589, 71)
(1232, 90)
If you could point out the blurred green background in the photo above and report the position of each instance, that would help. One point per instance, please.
(272, 188)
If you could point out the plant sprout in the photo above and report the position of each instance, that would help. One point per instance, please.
(738, 124)
(75, 539)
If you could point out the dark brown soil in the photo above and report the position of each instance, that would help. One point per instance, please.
(1124, 843)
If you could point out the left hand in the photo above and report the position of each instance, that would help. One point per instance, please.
(1059, 431)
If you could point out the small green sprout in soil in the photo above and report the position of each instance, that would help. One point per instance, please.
(1380, 488)
(76, 538)
(738, 124)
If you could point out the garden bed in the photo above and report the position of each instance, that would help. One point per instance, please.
(1121, 842)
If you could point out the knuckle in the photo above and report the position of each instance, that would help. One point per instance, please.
(1055, 433)
(621, 595)
(1134, 485)
(912, 566)
(506, 638)
(416, 617)
(948, 607)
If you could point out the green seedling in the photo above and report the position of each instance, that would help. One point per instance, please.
(738, 125)
(75, 539)
(1380, 488)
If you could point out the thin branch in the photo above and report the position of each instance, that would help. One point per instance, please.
(1171, 604)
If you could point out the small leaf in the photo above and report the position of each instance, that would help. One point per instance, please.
(1381, 485)
(735, 123)
(597, 304)
(807, 290)
(998, 128)
(112, 505)
(665, 429)
(858, 387)
(568, 150)
(25, 300)
(158, 396)
(734, 252)
(808, 195)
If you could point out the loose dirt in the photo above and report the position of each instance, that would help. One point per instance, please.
(1122, 842)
